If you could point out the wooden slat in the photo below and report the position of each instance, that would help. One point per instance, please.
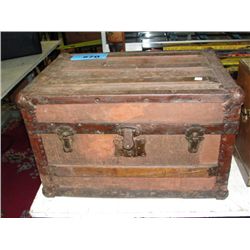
(110, 75)
(132, 171)
(132, 183)
(127, 75)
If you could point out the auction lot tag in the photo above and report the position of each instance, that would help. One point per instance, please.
(85, 57)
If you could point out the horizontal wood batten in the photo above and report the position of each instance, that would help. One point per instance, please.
(145, 128)
(217, 96)
(133, 171)
(136, 92)
(137, 183)
(122, 193)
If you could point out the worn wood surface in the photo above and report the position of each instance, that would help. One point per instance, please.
(131, 113)
(132, 74)
(242, 152)
(98, 150)
(131, 183)
(162, 95)
(133, 171)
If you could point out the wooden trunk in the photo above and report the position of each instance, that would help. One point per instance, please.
(152, 124)
(242, 148)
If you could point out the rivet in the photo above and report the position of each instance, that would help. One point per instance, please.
(97, 100)
(146, 100)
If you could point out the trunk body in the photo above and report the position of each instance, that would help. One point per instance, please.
(133, 125)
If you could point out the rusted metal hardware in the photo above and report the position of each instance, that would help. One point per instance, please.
(65, 134)
(245, 114)
(213, 171)
(194, 136)
(145, 128)
(128, 145)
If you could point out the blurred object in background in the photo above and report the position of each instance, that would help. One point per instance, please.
(81, 42)
(116, 41)
(242, 147)
(77, 37)
(18, 44)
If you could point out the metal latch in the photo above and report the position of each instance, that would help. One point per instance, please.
(129, 145)
(245, 114)
(194, 136)
(65, 134)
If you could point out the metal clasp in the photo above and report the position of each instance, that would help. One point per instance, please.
(128, 145)
(65, 134)
(245, 114)
(194, 136)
